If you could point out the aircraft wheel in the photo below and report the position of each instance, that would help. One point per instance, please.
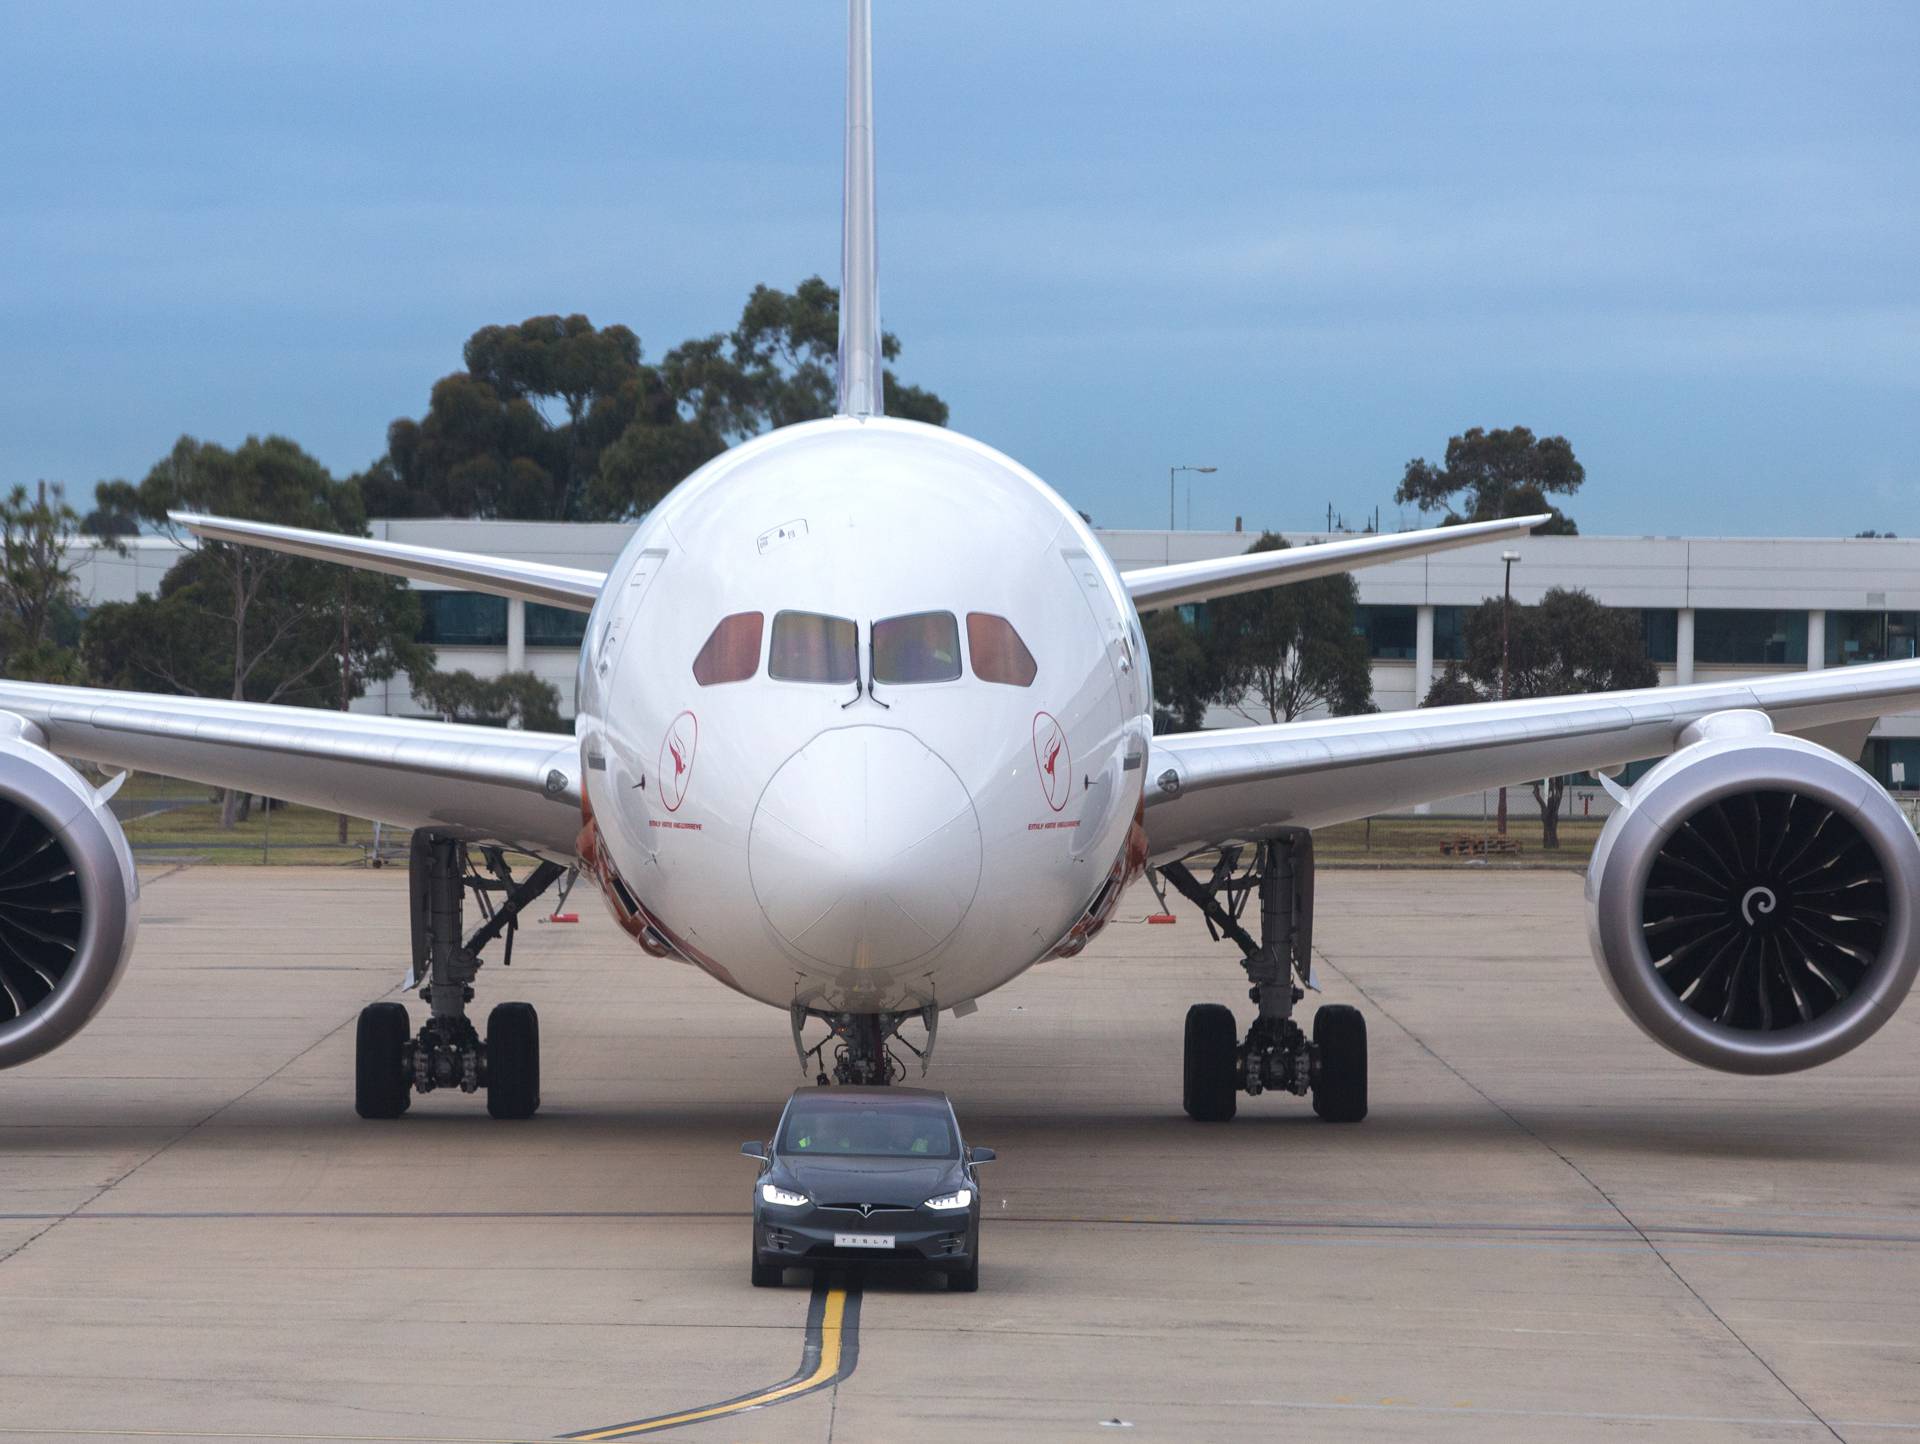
(1340, 1082)
(513, 1061)
(1211, 1092)
(381, 1088)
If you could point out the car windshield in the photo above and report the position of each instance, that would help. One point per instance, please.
(808, 647)
(891, 1129)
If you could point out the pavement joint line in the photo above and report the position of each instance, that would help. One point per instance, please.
(78, 1210)
(1625, 1227)
(1592, 1183)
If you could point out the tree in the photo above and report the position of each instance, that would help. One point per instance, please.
(1568, 643)
(38, 606)
(513, 699)
(555, 419)
(1285, 650)
(248, 624)
(1494, 474)
(1185, 675)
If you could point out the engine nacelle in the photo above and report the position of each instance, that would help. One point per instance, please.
(1751, 906)
(69, 899)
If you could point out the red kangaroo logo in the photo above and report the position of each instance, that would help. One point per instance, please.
(1052, 756)
(680, 762)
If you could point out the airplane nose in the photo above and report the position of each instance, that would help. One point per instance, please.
(864, 850)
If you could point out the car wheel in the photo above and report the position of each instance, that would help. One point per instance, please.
(767, 1275)
(966, 1280)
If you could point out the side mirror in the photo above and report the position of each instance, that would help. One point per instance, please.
(756, 1149)
(981, 1155)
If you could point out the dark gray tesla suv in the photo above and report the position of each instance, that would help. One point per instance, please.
(867, 1175)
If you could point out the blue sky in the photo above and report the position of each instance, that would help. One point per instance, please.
(1302, 244)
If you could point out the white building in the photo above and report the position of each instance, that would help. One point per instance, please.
(1710, 607)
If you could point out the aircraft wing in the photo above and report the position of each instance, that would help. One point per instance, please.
(1207, 788)
(1183, 582)
(485, 783)
(570, 587)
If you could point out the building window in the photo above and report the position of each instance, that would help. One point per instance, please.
(1389, 631)
(1450, 633)
(1660, 633)
(462, 619)
(1885, 754)
(1749, 638)
(1870, 636)
(554, 626)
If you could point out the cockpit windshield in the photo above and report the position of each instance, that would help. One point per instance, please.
(732, 652)
(809, 647)
(922, 647)
(998, 653)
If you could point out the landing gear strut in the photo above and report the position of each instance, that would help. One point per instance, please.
(1275, 1053)
(862, 1044)
(448, 1051)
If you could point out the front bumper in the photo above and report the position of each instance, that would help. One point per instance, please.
(920, 1237)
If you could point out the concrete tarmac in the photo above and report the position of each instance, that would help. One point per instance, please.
(1548, 1229)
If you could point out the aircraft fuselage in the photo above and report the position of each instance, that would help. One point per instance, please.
(863, 714)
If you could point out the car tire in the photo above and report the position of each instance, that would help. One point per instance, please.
(380, 1085)
(513, 1061)
(1210, 1092)
(1340, 1082)
(767, 1275)
(966, 1280)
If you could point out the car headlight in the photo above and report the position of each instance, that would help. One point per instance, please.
(959, 1198)
(786, 1197)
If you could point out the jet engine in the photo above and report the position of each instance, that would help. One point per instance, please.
(69, 898)
(1751, 905)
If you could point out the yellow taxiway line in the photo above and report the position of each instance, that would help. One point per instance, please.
(827, 1357)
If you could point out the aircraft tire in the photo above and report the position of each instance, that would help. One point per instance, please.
(1340, 1089)
(513, 1061)
(380, 1084)
(1210, 1092)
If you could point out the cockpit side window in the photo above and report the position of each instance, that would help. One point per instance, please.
(922, 647)
(809, 647)
(998, 653)
(732, 652)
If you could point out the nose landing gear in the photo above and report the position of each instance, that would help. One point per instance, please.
(862, 1051)
(1275, 1054)
(448, 1051)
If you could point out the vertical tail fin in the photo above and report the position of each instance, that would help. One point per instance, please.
(861, 392)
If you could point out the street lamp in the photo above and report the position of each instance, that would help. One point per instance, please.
(1506, 612)
(1171, 472)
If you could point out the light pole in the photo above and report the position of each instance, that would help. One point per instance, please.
(1506, 612)
(1173, 471)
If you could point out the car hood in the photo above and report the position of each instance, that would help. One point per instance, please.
(893, 1182)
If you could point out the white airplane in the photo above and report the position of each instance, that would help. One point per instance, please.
(864, 732)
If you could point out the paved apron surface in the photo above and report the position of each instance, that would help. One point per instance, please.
(1548, 1229)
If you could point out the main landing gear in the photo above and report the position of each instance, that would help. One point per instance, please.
(390, 1063)
(1275, 1053)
